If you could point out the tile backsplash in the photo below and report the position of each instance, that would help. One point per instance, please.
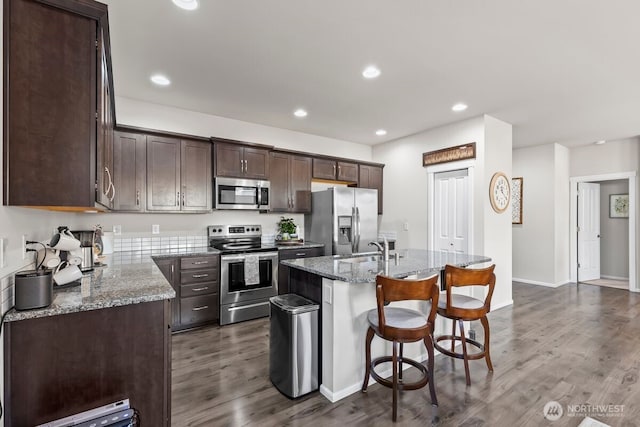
(147, 245)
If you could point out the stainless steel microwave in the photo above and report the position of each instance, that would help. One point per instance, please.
(233, 193)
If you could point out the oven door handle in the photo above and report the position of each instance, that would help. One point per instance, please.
(263, 255)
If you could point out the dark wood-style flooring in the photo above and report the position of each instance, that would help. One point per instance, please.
(572, 345)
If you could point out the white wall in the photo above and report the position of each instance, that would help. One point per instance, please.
(161, 117)
(497, 227)
(405, 180)
(561, 210)
(542, 236)
(406, 190)
(614, 233)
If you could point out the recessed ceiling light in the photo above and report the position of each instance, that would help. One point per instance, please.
(371, 72)
(186, 4)
(459, 107)
(160, 80)
(300, 113)
(381, 132)
(602, 141)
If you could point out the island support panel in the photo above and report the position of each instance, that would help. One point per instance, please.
(60, 365)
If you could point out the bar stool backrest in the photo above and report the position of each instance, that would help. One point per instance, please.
(460, 277)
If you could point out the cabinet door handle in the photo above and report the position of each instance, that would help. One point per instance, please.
(199, 276)
(204, 307)
(183, 197)
(200, 289)
(338, 170)
(334, 170)
(172, 273)
(246, 166)
(301, 254)
(200, 262)
(178, 199)
(137, 197)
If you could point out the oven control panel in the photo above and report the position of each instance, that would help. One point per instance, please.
(226, 231)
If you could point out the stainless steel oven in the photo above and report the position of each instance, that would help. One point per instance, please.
(248, 272)
(241, 299)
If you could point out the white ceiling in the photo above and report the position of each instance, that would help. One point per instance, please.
(560, 71)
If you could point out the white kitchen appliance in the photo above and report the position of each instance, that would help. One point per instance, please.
(345, 219)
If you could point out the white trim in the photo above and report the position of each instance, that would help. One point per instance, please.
(495, 307)
(602, 276)
(537, 283)
(631, 176)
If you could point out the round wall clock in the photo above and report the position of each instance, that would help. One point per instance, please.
(499, 192)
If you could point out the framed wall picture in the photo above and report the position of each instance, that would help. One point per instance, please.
(618, 206)
(516, 200)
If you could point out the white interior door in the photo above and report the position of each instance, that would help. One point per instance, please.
(451, 209)
(588, 231)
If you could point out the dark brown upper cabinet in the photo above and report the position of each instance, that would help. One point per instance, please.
(129, 171)
(178, 175)
(239, 161)
(105, 180)
(371, 177)
(55, 61)
(290, 182)
(335, 170)
(195, 166)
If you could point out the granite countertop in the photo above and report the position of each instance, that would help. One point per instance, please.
(367, 266)
(109, 286)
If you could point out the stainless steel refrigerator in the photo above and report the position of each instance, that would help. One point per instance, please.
(345, 219)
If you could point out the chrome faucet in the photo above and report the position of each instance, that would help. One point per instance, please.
(384, 248)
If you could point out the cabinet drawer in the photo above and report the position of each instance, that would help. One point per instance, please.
(200, 262)
(199, 309)
(199, 276)
(301, 253)
(197, 289)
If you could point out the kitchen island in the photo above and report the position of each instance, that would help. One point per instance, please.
(105, 340)
(348, 293)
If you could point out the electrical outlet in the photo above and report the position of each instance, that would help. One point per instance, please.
(24, 246)
(117, 230)
(155, 229)
(406, 226)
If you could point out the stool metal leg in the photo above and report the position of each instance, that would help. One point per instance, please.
(367, 362)
(464, 352)
(487, 356)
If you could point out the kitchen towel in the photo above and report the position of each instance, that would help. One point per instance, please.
(251, 270)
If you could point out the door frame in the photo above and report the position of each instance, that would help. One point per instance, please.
(469, 165)
(573, 222)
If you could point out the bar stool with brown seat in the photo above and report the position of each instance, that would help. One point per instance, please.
(402, 325)
(461, 308)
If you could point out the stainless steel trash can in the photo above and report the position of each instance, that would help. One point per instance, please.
(293, 344)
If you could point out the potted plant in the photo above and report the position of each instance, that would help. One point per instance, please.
(286, 228)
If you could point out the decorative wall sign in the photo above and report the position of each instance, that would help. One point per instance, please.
(516, 200)
(450, 154)
(618, 206)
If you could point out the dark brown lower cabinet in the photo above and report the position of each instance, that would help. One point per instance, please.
(61, 365)
(283, 270)
(196, 282)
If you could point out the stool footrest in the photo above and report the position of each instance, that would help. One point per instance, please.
(450, 353)
(401, 385)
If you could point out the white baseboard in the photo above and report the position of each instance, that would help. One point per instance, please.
(504, 304)
(614, 277)
(535, 282)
